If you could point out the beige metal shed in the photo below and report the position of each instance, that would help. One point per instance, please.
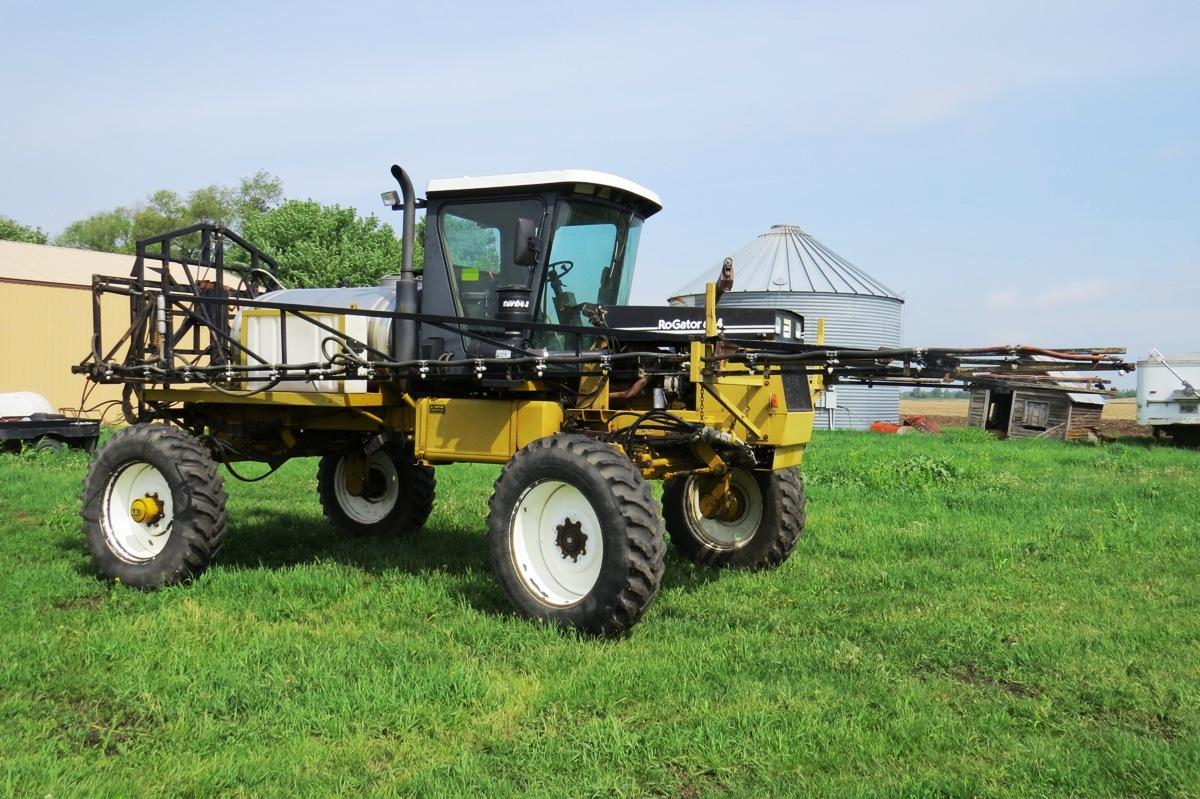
(46, 319)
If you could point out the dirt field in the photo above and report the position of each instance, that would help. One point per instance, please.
(1119, 417)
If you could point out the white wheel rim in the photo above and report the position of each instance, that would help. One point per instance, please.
(369, 508)
(131, 540)
(720, 533)
(556, 543)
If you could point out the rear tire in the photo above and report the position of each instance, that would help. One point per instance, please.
(397, 496)
(575, 536)
(49, 444)
(761, 537)
(168, 471)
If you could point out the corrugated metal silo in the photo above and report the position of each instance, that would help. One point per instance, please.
(787, 268)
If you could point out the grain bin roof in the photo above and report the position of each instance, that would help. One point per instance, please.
(58, 266)
(785, 258)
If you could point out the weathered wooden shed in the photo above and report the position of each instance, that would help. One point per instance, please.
(1012, 407)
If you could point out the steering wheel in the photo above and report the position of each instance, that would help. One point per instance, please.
(564, 305)
(567, 266)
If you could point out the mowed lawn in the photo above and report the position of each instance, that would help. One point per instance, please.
(964, 617)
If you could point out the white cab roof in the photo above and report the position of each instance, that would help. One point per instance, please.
(549, 178)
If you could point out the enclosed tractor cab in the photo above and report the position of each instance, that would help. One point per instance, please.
(515, 346)
(523, 247)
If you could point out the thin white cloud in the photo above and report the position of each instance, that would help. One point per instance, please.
(1172, 152)
(1073, 293)
(1000, 300)
(931, 104)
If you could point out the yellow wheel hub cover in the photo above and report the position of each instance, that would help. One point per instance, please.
(146, 510)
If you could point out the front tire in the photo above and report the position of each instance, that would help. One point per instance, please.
(761, 534)
(153, 507)
(396, 496)
(574, 535)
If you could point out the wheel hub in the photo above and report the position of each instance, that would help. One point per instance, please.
(724, 515)
(376, 484)
(367, 495)
(732, 506)
(720, 499)
(571, 540)
(146, 510)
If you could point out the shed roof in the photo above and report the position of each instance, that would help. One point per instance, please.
(1078, 397)
(46, 265)
(62, 266)
(786, 258)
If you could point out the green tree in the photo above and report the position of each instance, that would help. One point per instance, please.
(321, 245)
(418, 247)
(316, 245)
(258, 194)
(107, 231)
(471, 244)
(119, 229)
(12, 230)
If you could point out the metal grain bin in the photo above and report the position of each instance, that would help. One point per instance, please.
(787, 268)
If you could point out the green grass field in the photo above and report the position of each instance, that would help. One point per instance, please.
(964, 617)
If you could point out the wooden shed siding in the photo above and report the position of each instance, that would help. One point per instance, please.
(1056, 422)
(977, 409)
(44, 331)
(1083, 419)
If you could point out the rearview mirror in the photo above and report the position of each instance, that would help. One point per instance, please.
(526, 244)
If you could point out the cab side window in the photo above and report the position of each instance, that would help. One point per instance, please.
(474, 258)
(479, 241)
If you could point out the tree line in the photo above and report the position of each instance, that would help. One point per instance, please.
(315, 244)
(935, 393)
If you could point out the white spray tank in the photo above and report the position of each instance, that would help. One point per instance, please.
(23, 404)
(258, 329)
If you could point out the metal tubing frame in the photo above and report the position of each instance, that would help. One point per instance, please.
(195, 304)
(839, 365)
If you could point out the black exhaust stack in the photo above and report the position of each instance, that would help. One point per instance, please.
(404, 331)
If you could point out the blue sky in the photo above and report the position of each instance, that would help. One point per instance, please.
(1020, 171)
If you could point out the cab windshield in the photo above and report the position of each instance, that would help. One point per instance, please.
(591, 259)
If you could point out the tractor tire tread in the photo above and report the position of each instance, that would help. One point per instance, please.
(200, 524)
(794, 504)
(420, 485)
(642, 526)
(786, 505)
